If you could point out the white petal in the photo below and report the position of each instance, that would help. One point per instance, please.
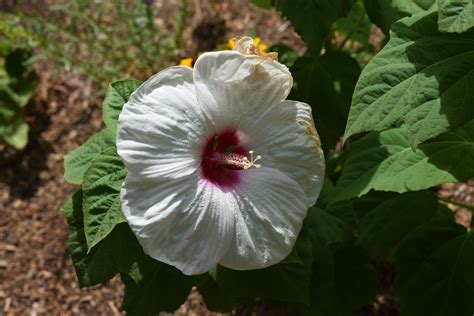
(161, 127)
(233, 87)
(185, 222)
(287, 140)
(271, 209)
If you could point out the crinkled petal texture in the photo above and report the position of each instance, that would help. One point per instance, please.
(271, 208)
(288, 141)
(178, 216)
(232, 87)
(159, 126)
(183, 222)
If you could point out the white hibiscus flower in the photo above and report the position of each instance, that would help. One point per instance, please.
(222, 169)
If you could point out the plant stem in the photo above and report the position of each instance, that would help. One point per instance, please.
(458, 203)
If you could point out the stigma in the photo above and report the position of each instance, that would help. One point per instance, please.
(239, 160)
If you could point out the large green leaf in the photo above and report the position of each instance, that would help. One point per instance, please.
(312, 20)
(216, 298)
(331, 223)
(283, 282)
(385, 12)
(102, 183)
(371, 200)
(421, 78)
(386, 162)
(384, 227)
(455, 16)
(152, 287)
(342, 280)
(93, 267)
(119, 252)
(116, 96)
(335, 224)
(436, 270)
(79, 160)
(327, 85)
(160, 288)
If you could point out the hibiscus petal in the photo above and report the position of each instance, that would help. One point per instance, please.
(233, 87)
(160, 127)
(287, 140)
(183, 222)
(270, 211)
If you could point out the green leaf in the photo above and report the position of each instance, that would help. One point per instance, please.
(161, 288)
(13, 128)
(116, 96)
(384, 227)
(455, 15)
(330, 223)
(288, 282)
(16, 63)
(421, 78)
(118, 252)
(102, 183)
(371, 200)
(93, 267)
(385, 12)
(22, 79)
(79, 160)
(386, 162)
(286, 55)
(342, 280)
(327, 85)
(216, 298)
(331, 226)
(264, 4)
(356, 25)
(312, 20)
(436, 270)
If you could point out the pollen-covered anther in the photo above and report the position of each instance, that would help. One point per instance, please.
(240, 161)
(252, 162)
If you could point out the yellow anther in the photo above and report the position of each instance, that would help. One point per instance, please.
(263, 48)
(252, 162)
(188, 62)
(238, 160)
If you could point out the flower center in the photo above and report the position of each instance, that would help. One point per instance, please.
(238, 160)
(223, 156)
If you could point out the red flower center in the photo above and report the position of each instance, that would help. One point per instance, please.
(222, 157)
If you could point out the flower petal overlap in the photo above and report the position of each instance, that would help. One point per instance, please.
(222, 168)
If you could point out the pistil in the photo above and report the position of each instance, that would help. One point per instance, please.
(239, 161)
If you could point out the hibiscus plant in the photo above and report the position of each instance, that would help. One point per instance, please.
(249, 178)
(17, 84)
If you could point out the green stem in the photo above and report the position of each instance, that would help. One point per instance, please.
(458, 203)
